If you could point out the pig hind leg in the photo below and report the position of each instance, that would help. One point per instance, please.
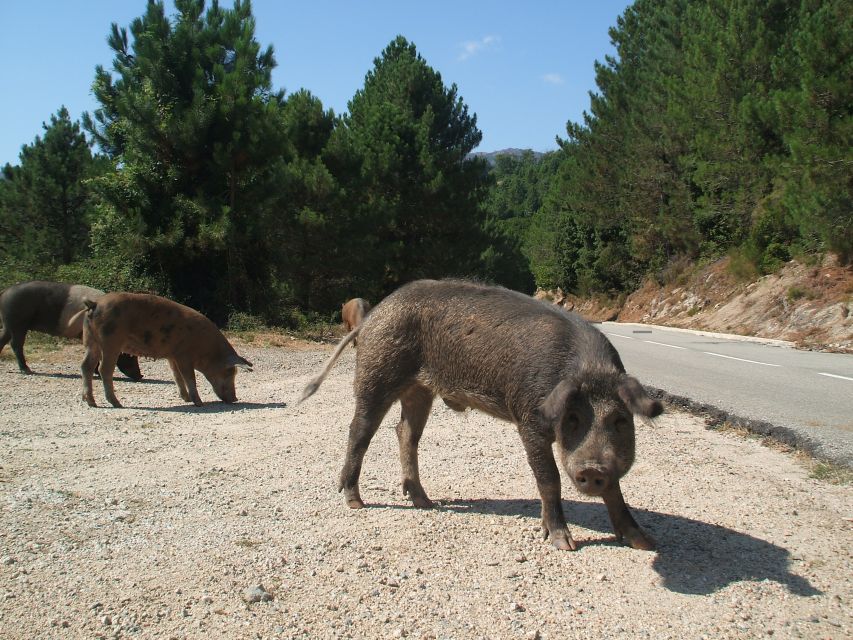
(108, 367)
(416, 403)
(87, 370)
(5, 336)
(365, 422)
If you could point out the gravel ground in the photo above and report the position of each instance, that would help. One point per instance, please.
(162, 520)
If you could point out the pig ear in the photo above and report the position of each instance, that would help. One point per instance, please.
(637, 400)
(241, 362)
(554, 406)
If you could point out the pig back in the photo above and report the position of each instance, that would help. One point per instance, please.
(70, 322)
(35, 305)
(488, 347)
(156, 327)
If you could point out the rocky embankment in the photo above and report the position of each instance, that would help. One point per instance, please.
(811, 306)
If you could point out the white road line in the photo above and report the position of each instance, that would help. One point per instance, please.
(619, 335)
(832, 375)
(720, 355)
(664, 344)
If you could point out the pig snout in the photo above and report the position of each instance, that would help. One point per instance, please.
(591, 480)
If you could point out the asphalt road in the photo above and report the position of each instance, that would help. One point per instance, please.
(809, 392)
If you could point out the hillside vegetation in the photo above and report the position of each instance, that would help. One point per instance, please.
(718, 129)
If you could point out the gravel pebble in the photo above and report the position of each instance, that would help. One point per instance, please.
(257, 593)
(134, 515)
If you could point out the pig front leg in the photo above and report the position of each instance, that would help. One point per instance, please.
(187, 372)
(541, 459)
(624, 525)
(179, 380)
(18, 348)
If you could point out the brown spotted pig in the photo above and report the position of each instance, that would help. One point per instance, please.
(152, 326)
(501, 352)
(353, 313)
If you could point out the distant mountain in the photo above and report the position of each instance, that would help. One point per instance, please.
(490, 156)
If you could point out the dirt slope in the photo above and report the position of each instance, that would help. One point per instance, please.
(811, 306)
(155, 521)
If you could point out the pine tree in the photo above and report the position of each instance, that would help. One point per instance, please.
(408, 137)
(194, 129)
(46, 199)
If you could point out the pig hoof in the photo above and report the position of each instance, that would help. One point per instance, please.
(355, 503)
(422, 502)
(639, 540)
(563, 541)
(89, 400)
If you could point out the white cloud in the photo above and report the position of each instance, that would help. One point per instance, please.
(553, 78)
(473, 47)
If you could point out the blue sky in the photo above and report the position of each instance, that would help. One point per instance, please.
(524, 68)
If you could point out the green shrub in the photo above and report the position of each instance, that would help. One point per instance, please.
(742, 266)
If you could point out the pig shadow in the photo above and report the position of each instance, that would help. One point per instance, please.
(693, 557)
(213, 406)
(118, 378)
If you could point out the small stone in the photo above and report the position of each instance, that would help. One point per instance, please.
(533, 635)
(520, 558)
(515, 607)
(205, 599)
(106, 621)
(8, 560)
(257, 594)
(601, 577)
(244, 512)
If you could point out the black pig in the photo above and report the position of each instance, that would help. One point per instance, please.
(49, 307)
(529, 362)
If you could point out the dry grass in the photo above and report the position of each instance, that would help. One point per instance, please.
(818, 469)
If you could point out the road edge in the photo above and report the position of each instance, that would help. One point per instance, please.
(716, 417)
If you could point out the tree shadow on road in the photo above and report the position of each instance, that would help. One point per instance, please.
(693, 557)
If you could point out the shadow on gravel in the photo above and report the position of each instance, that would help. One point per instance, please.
(118, 378)
(213, 407)
(693, 557)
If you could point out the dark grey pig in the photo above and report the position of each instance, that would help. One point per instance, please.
(529, 362)
(49, 307)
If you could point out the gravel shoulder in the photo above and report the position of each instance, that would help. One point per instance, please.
(157, 520)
